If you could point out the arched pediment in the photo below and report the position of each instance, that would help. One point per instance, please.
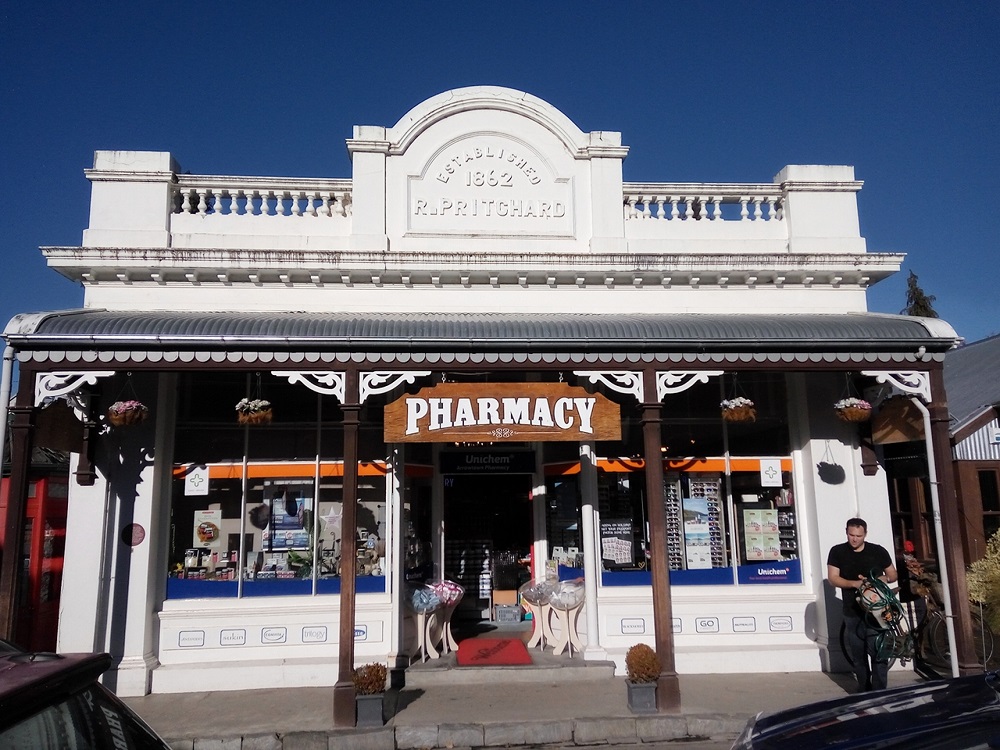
(445, 105)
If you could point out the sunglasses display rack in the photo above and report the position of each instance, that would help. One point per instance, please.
(675, 540)
(708, 490)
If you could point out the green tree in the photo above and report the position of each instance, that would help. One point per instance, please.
(918, 303)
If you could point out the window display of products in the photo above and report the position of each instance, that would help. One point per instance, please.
(245, 542)
(696, 525)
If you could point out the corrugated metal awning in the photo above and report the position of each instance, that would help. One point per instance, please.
(102, 330)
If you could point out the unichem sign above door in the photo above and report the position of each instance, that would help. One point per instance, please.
(501, 412)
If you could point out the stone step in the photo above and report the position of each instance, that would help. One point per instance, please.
(545, 668)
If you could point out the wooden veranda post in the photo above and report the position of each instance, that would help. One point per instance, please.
(343, 693)
(668, 692)
(13, 551)
(951, 524)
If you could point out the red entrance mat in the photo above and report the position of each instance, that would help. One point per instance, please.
(492, 652)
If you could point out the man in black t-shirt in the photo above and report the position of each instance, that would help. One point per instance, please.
(847, 566)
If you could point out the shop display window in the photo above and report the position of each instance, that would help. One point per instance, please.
(256, 508)
(766, 523)
(279, 541)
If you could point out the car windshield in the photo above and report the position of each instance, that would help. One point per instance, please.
(89, 720)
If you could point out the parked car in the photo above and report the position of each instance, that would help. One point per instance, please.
(957, 714)
(54, 702)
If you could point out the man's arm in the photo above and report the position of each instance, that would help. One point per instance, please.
(833, 575)
(890, 575)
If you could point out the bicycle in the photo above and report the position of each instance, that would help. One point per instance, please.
(927, 642)
(933, 635)
(895, 638)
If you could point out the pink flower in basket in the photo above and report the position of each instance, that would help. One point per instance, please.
(122, 413)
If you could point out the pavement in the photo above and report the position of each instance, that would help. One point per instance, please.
(558, 701)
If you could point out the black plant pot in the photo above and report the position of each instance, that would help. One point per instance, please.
(641, 697)
(370, 710)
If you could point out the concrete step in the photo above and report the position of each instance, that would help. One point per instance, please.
(544, 668)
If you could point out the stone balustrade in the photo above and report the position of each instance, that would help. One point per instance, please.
(257, 196)
(683, 201)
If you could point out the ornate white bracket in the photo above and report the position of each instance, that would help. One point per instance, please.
(324, 381)
(909, 381)
(628, 382)
(678, 381)
(373, 383)
(65, 385)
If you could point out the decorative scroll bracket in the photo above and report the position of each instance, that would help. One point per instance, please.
(66, 385)
(374, 383)
(915, 382)
(324, 381)
(628, 382)
(678, 381)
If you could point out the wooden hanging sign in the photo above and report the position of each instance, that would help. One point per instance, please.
(501, 412)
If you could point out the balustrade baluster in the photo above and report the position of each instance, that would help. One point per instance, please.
(770, 209)
(325, 207)
(296, 203)
(744, 214)
(202, 202)
(234, 204)
(338, 206)
(661, 207)
(632, 212)
(185, 202)
(674, 213)
(716, 208)
(757, 213)
(689, 211)
(645, 206)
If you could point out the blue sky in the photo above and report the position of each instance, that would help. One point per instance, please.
(908, 93)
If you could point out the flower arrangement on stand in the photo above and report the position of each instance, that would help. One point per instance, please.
(853, 409)
(738, 409)
(253, 411)
(124, 413)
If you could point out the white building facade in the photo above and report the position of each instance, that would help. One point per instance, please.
(496, 346)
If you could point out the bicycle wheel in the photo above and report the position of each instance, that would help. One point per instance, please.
(889, 646)
(843, 644)
(982, 639)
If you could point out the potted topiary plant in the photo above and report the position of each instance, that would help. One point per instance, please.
(369, 690)
(642, 666)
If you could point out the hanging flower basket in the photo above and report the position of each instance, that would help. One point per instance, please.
(125, 413)
(738, 409)
(853, 409)
(253, 411)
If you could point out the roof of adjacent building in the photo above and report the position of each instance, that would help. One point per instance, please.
(342, 331)
(971, 379)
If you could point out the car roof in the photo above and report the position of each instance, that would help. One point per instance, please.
(31, 681)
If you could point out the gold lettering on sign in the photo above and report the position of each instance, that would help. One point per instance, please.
(501, 412)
